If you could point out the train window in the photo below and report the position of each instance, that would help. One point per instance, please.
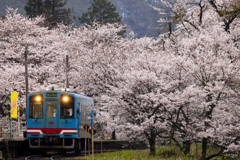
(85, 118)
(51, 110)
(36, 106)
(67, 107)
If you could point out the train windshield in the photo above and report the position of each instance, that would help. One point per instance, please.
(67, 107)
(51, 109)
(36, 106)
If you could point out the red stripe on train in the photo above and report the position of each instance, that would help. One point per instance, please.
(51, 131)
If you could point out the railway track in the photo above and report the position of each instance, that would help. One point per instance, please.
(23, 154)
(51, 157)
(68, 155)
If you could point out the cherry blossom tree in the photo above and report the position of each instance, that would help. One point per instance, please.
(140, 97)
(20, 35)
(204, 93)
(92, 50)
(208, 55)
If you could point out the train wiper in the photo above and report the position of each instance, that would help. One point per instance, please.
(62, 117)
(36, 120)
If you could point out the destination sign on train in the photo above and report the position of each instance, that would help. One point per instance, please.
(51, 94)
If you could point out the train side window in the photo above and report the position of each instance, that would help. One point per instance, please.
(85, 118)
(36, 107)
(51, 110)
(67, 107)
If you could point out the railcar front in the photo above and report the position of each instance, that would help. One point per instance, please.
(54, 120)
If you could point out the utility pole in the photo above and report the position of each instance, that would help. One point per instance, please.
(26, 72)
(67, 71)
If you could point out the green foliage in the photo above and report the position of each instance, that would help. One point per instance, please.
(100, 11)
(229, 14)
(180, 15)
(221, 14)
(79, 7)
(34, 8)
(55, 13)
(230, 11)
(169, 151)
(52, 10)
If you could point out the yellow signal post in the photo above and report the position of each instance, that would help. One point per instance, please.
(14, 104)
(14, 109)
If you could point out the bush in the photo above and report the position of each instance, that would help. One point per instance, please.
(168, 151)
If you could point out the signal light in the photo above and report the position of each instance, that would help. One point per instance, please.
(38, 98)
(65, 99)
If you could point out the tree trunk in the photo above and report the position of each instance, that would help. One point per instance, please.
(186, 147)
(170, 28)
(113, 135)
(204, 148)
(152, 146)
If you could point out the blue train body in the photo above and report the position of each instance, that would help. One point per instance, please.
(55, 119)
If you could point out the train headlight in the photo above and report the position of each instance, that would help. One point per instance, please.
(38, 98)
(65, 98)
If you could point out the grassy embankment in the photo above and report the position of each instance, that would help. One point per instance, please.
(162, 153)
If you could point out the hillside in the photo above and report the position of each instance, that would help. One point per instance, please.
(136, 14)
(13, 3)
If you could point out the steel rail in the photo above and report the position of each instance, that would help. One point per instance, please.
(32, 157)
(55, 157)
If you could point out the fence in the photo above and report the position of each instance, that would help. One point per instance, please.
(5, 131)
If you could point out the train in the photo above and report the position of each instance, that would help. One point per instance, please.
(59, 120)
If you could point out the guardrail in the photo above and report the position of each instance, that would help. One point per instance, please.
(10, 132)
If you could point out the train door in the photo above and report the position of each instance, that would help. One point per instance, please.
(51, 117)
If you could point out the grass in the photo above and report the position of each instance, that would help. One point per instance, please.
(123, 155)
(110, 140)
(170, 152)
(165, 153)
(162, 152)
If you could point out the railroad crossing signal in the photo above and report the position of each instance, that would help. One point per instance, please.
(86, 127)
